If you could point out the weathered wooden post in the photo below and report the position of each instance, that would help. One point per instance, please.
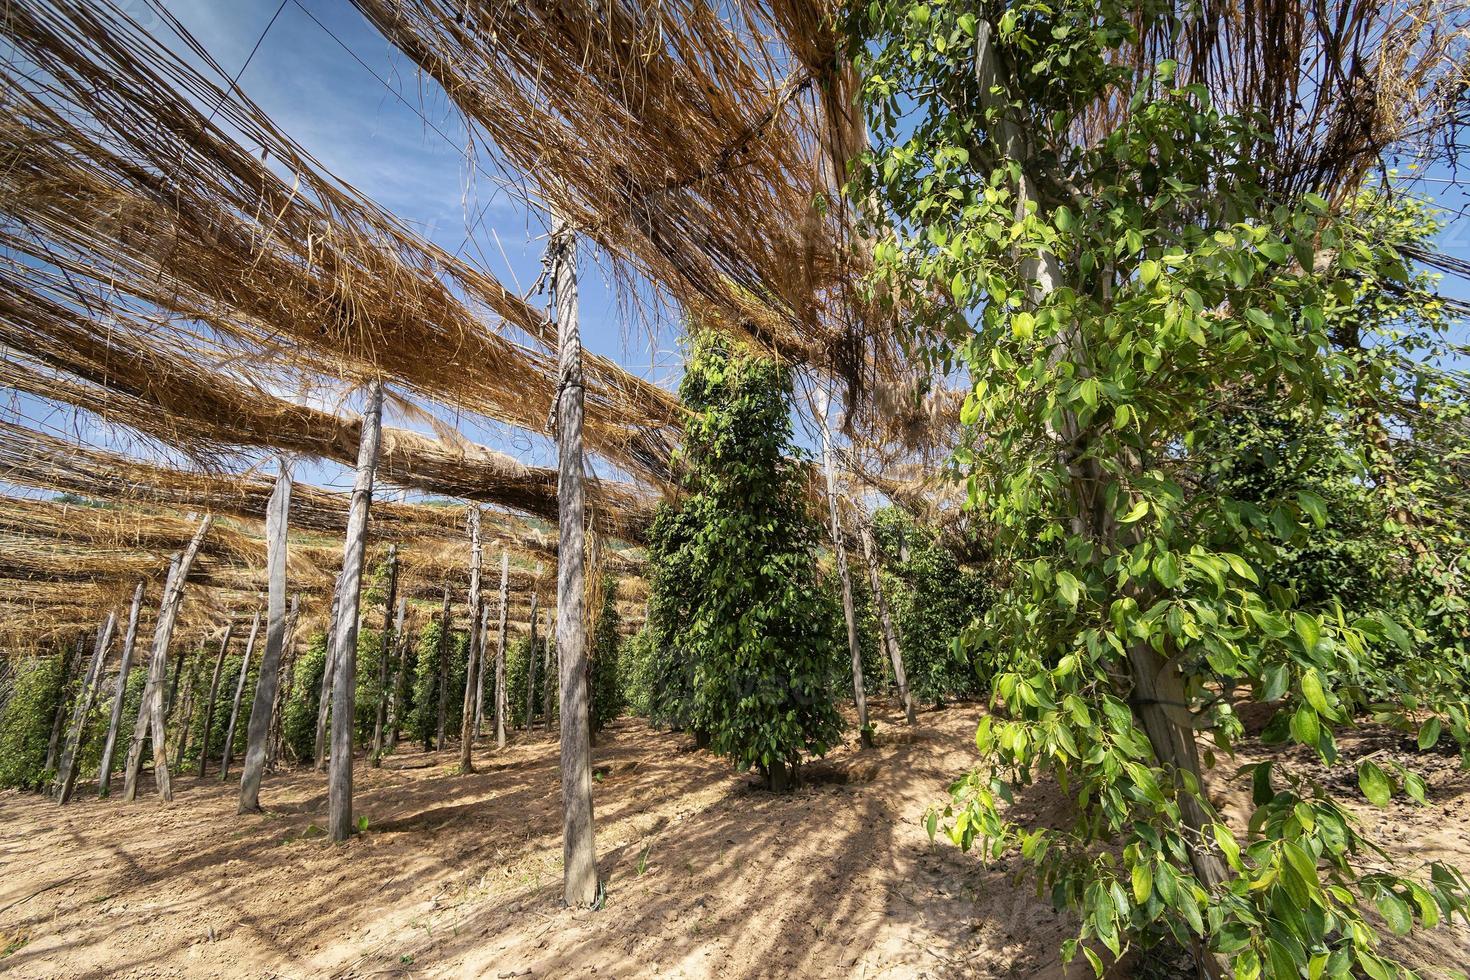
(130, 638)
(66, 776)
(400, 645)
(531, 667)
(547, 706)
(484, 628)
(329, 674)
(501, 700)
(344, 694)
(578, 850)
(890, 634)
(150, 710)
(472, 666)
(262, 708)
(283, 691)
(385, 649)
(445, 624)
(859, 697)
(219, 663)
(229, 749)
(186, 710)
(70, 665)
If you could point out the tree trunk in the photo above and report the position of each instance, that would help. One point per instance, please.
(385, 648)
(329, 674)
(67, 774)
(445, 623)
(472, 667)
(150, 710)
(69, 667)
(531, 668)
(859, 696)
(400, 644)
(219, 663)
(262, 708)
(283, 689)
(344, 693)
(890, 634)
(130, 639)
(229, 750)
(579, 858)
(501, 700)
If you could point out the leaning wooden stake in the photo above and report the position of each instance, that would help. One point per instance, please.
(229, 750)
(501, 701)
(380, 716)
(69, 668)
(219, 663)
(344, 688)
(467, 716)
(262, 708)
(186, 710)
(66, 777)
(859, 697)
(890, 635)
(531, 668)
(130, 639)
(484, 629)
(150, 709)
(578, 850)
(283, 690)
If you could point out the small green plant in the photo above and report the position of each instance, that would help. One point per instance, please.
(406, 959)
(362, 824)
(642, 864)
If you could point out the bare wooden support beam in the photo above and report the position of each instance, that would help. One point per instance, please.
(66, 776)
(130, 639)
(579, 859)
(380, 716)
(262, 708)
(395, 704)
(890, 634)
(484, 628)
(502, 702)
(150, 710)
(859, 697)
(283, 690)
(229, 750)
(329, 675)
(344, 688)
(219, 664)
(531, 667)
(186, 710)
(467, 717)
(445, 625)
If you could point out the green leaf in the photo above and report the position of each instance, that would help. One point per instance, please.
(1374, 783)
(1143, 883)
(1312, 691)
(1166, 569)
(1240, 567)
(1148, 271)
(1313, 505)
(1305, 727)
(1069, 587)
(1395, 912)
(1429, 734)
(1136, 512)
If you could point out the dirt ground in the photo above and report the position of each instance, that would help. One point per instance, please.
(460, 875)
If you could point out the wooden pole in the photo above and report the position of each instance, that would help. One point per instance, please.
(890, 634)
(186, 711)
(484, 629)
(380, 716)
(344, 688)
(219, 663)
(865, 733)
(578, 849)
(445, 624)
(67, 773)
(262, 708)
(283, 691)
(546, 703)
(472, 666)
(329, 674)
(173, 686)
(69, 667)
(531, 667)
(150, 710)
(400, 644)
(130, 638)
(501, 701)
(229, 750)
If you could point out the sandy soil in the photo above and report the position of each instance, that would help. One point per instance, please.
(460, 875)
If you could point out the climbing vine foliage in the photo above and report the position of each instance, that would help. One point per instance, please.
(1118, 300)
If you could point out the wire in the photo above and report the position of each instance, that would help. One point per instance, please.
(235, 82)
